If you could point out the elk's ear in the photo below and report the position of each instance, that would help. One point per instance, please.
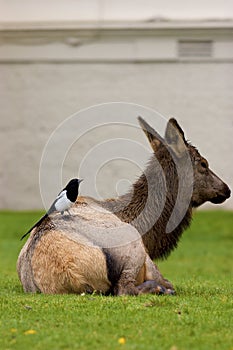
(154, 138)
(174, 137)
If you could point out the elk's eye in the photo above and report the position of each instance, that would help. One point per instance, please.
(204, 165)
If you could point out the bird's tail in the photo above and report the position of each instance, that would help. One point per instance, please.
(36, 224)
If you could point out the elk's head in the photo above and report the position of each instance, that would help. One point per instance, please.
(206, 185)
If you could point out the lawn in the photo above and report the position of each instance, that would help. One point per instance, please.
(199, 316)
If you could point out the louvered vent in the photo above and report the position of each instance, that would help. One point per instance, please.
(195, 48)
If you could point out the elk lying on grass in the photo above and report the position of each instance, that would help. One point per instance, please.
(108, 245)
(91, 250)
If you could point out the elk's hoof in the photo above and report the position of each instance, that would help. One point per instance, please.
(170, 291)
(167, 284)
(152, 287)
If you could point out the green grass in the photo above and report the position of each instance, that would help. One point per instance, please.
(198, 317)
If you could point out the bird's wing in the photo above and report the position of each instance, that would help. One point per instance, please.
(53, 206)
(60, 194)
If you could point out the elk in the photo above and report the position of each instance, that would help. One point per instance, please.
(108, 246)
(170, 151)
(88, 251)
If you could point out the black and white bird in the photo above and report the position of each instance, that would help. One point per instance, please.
(62, 203)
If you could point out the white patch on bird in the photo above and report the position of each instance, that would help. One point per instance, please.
(62, 203)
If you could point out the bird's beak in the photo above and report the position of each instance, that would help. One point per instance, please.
(80, 180)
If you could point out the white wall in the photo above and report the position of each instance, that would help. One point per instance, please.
(48, 74)
(102, 10)
(35, 98)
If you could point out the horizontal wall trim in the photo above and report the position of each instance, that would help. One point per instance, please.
(108, 61)
(100, 32)
(117, 25)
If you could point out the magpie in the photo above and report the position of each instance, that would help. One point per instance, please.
(62, 203)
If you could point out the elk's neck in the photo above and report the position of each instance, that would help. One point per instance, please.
(151, 206)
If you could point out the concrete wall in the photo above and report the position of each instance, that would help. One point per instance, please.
(37, 96)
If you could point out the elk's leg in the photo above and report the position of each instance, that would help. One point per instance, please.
(138, 274)
(153, 283)
(152, 273)
(129, 260)
(126, 285)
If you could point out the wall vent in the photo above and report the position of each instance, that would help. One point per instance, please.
(195, 48)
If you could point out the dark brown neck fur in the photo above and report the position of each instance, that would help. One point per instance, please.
(146, 213)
